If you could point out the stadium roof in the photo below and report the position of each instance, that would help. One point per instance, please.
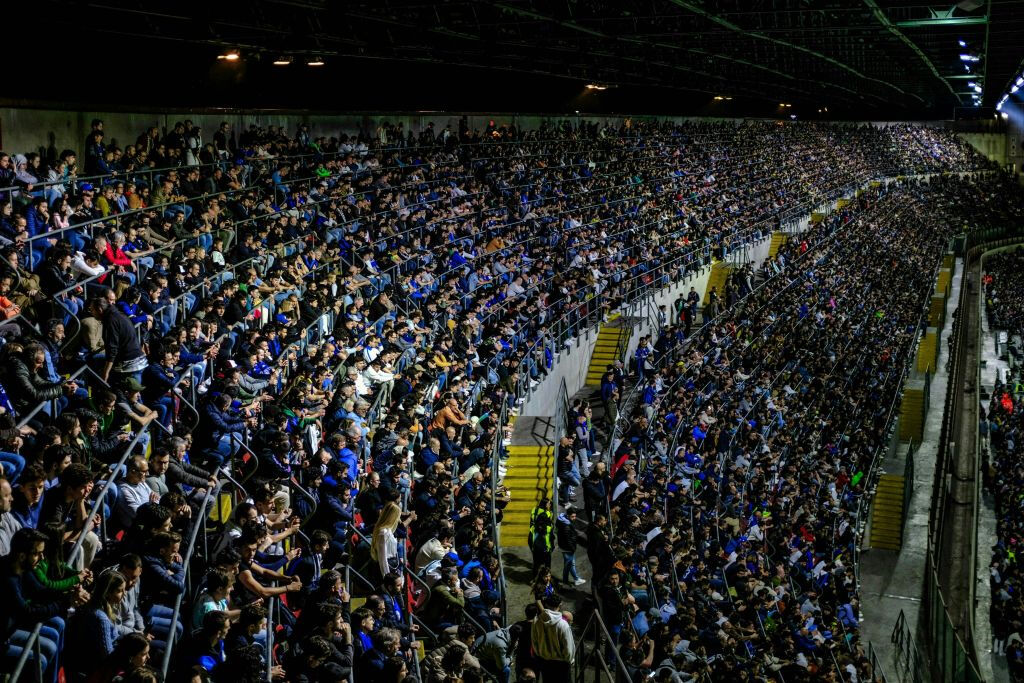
(867, 58)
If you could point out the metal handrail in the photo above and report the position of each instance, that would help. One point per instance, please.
(107, 482)
(31, 647)
(199, 521)
(128, 176)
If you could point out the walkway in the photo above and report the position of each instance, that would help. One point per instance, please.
(992, 666)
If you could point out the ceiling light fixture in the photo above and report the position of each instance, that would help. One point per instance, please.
(969, 58)
(283, 60)
(315, 62)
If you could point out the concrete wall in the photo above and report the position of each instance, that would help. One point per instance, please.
(992, 145)
(571, 365)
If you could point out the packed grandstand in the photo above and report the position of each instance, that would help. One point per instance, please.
(257, 394)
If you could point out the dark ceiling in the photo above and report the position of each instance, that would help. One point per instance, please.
(859, 58)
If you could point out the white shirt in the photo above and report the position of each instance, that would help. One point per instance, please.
(132, 496)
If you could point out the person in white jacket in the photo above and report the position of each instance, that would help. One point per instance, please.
(552, 641)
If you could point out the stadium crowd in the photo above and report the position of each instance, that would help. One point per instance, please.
(1003, 475)
(255, 392)
(723, 529)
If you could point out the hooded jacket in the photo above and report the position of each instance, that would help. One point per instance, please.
(551, 636)
(568, 537)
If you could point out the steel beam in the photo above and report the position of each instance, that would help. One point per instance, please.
(932, 23)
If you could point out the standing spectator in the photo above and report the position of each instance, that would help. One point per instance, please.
(123, 354)
(567, 542)
(540, 540)
(552, 640)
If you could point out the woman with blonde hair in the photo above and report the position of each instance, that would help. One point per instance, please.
(384, 543)
(94, 627)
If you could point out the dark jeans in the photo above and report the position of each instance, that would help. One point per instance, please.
(553, 671)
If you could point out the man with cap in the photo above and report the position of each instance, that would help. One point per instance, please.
(130, 412)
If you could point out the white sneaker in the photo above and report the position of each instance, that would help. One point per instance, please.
(534, 384)
(580, 581)
(506, 442)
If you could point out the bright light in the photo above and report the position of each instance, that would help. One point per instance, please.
(230, 56)
(1014, 88)
(719, 97)
(1019, 82)
(977, 88)
(793, 116)
(1005, 115)
(963, 43)
(315, 62)
(969, 58)
(594, 86)
(282, 61)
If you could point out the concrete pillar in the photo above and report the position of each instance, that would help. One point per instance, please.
(927, 352)
(942, 282)
(912, 411)
(937, 311)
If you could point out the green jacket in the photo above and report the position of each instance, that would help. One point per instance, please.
(56, 578)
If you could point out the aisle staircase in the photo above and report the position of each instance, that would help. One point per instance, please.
(887, 513)
(612, 333)
(719, 274)
(778, 239)
(529, 476)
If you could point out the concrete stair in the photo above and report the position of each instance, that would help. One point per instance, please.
(887, 513)
(719, 274)
(778, 239)
(608, 342)
(530, 472)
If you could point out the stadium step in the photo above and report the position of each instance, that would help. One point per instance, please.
(609, 340)
(887, 513)
(530, 471)
(778, 239)
(719, 274)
